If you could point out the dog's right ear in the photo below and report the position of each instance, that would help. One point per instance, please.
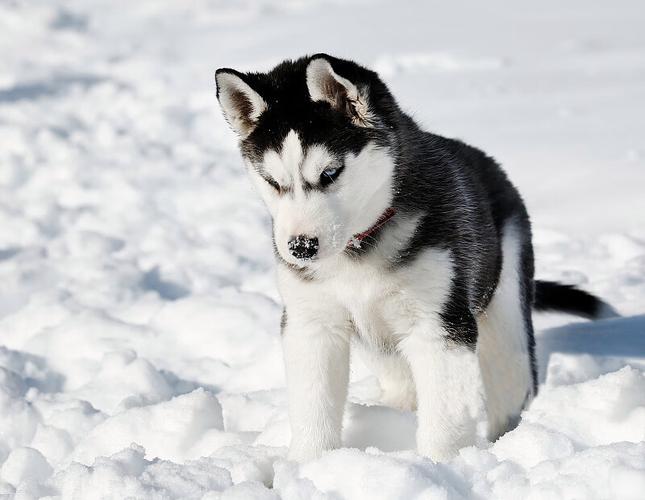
(326, 85)
(241, 105)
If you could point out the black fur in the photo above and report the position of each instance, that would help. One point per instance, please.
(552, 296)
(462, 196)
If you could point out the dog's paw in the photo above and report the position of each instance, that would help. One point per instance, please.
(438, 452)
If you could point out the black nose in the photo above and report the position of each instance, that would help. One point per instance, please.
(303, 247)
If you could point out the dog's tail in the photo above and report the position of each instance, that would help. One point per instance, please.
(553, 296)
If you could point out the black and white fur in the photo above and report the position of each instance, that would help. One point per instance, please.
(438, 299)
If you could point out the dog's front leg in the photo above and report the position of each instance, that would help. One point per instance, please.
(447, 378)
(316, 353)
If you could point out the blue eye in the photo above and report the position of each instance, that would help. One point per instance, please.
(329, 175)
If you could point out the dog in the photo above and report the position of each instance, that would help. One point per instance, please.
(412, 248)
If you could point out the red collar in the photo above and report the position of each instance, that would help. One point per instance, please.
(356, 240)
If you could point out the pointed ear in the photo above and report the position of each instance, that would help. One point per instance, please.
(241, 105)
(326, 85)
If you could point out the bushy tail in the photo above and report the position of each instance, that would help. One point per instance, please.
(552, 296)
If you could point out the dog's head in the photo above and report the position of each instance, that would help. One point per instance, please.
(316, 135)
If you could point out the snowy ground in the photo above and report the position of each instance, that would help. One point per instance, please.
(139, 346)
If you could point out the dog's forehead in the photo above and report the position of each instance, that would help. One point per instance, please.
(295, 159)
(292, 152)
(314, 123)
(283, 163)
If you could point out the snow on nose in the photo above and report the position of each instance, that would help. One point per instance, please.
(303, 247)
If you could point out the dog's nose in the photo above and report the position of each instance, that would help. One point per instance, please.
(303, 247)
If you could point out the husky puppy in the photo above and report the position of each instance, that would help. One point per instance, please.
(413, 248)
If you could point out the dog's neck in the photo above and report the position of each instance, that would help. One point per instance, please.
(383, 219)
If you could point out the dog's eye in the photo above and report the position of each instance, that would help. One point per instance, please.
(329, 175)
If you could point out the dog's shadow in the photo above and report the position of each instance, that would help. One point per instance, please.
(377, 426)
(622, 337)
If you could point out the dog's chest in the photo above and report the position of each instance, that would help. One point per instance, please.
(385, 302)
(375, 299)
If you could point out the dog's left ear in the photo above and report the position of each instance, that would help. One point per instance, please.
(326, 85)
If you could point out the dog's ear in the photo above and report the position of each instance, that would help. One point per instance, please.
(324, 84)
(241, 105)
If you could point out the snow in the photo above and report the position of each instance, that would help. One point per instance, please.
(139, 320)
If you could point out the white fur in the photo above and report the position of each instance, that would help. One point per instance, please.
(394, 376)
(283, 166)
(316, 353)
(448, 385)
(502, 344)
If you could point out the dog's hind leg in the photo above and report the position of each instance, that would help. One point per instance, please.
(397, 384)
(505, 345)
(394, 377)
